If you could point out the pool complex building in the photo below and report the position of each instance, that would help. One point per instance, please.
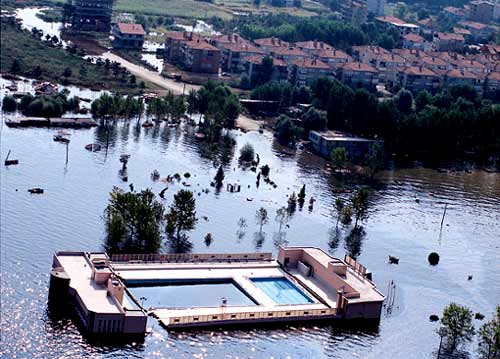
(116, 294)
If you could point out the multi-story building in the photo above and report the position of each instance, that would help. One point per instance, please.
(464, 77)
(402, 26)
(269, 43)
(354, 11)
(417, 78)
(128, 36)
(416, 42)
(376, 7)
(174, 41)
(335, 58)
(454, 13)
(288, 53)
(253, 65)
(313, 47)
(307, 70)
(481, 11)
(200, 56)
(480, 33)
(232, 55)
(492, 84)
(446, 41)
(89, 15)
(357, 73)
(357, 148)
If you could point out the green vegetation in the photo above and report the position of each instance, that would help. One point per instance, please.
(292, 28)
(489, 337)
(48, 105)
(261, 217)
(23, 53)
(116, 106)
(9, 104)
(247, 153)
(339, 157)
(133, 222)
(182, 215)
(457, 325)
(445, 125)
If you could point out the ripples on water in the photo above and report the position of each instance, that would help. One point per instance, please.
(68, 216)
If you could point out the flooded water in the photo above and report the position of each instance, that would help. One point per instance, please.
(30, 20)
(69, 216)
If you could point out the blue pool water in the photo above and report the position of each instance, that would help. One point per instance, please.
(281, 291)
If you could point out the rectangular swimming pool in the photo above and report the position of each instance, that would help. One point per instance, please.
(282, 291)
(190, 295)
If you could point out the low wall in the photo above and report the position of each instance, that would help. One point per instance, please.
(250, 316)
(191, 257)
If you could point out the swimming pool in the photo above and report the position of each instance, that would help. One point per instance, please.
(282, 291)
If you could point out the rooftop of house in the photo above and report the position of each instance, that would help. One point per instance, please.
(370, 49)
(311, 64)
(448, 36)
(271, 42)
(200, 45)
(339, 136)
(473, 25)
(313, 45)
(287, 51)
(359, 67)
(461, 31)
(333, 54)
(454, 10)
(229, 39)
(257, 60)
(182, 35)
(461, 74)
(419, 71)
(242, 47)
(395, 21)
(413, 38)
(494, 76)
(131, 29)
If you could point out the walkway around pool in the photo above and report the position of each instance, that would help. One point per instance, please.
(302, 283)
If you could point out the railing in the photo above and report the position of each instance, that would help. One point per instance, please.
(191, 258)
(357, 267)
(251, 315)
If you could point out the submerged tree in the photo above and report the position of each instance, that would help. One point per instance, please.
(457, 322)
(133, 222)
(247, 153)
(282, 217)
(182, 215)
(261, 217)
(219, 177)
(360, 205)
(339, 206)
(375, 159)
(339, 157)
(489, 337)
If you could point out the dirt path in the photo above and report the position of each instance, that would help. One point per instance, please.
(150, 76)
(244, 122)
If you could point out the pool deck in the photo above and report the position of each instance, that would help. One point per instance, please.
(337, 288)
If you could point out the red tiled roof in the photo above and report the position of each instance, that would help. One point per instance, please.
(242, 47)
(391, 20)
(419, 71)
(494, 75)
(370, 49)
(454, 10)
(473, 25)
(448, 36)
(313, 45)
(257, 60)
(131, 29)
(359, 67)
(334, 54)
(413, 38)
(271, 41)
(311, 64)
(459, 30)
(182, 35)
(229, 39)
(288, 51)
(200, 45)
(432, 60)
(464, 74)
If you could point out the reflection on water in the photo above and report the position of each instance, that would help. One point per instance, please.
(68, 216)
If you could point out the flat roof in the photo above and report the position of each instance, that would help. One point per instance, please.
(94, 296)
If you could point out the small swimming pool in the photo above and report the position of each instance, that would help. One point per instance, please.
(282, 291)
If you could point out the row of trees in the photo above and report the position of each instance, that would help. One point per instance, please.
(457, 328)
(446, 124)
(42, 105)
(294, 28)
(116, 106)
(170, 106)
(135, 222)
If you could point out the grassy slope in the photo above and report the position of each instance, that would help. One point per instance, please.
(32, 52)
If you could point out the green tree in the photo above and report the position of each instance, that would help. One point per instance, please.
(339, 157)
(360, 205)
(15, 67)
(36, 72)
(231, 110)
(457, 321)
(375, 159)
(339, 207)
(9, 104)
(247, 153)
(67, 72)
(192, 101)
(489, 337)
(133, 221)
(314, 119)
(219, 177)
(404, 100)
(182, 214)
(282, 217)
(261, 217)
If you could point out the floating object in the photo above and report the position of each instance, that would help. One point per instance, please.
(199, 135)
(469, 277)
(35, 190)
(10, 162)
(46, 88)
(61, 138)
(162, 193)
(393, 260)
(233, 187)
(249, 199)
(433, 318)
(433, 258)
(93, 147)
(148, 124)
